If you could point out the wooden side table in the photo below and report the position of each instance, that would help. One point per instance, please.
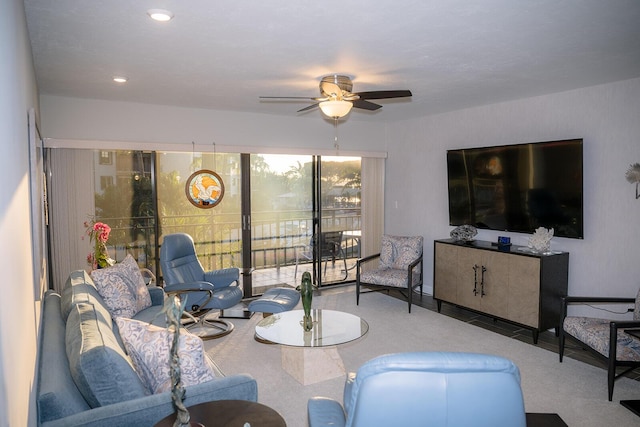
(544, 420)
(230, 413)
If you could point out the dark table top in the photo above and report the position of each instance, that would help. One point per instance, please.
(230, 413)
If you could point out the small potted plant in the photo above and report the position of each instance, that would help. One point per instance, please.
(98, 233)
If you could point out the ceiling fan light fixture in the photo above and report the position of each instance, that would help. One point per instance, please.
(335, 109)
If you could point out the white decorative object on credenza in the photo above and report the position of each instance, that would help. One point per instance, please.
(541, 240)
(464, 233)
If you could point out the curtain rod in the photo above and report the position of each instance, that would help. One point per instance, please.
(89, 144)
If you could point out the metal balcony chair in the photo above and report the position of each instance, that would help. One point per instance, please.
(330, 249)
(203, 290)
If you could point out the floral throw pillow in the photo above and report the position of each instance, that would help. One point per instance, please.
(149, 347)
(398, 252)
(407, 250)
(386, 252)
(122, 288)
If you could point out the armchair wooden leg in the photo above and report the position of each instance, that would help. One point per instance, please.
(613, 346)
(611, 378)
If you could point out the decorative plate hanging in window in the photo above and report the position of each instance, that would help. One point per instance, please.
(204, 189)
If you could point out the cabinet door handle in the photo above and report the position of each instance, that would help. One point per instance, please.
(475, 279)
(482, 282)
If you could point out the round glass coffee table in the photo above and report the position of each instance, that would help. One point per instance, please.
(311, 356)
(329, 328)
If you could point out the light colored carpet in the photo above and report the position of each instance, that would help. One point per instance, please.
(575, 390)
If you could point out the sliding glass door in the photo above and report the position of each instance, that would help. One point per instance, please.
(280, 208)
(270, 222)
(305, 216)
(338, 194)
(273, 210)
(216, 230)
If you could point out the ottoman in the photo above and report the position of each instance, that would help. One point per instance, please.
(275, 300)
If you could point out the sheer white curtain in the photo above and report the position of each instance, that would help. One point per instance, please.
(372, 204)
(71, 203)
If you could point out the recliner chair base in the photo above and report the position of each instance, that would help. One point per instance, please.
(209, 328)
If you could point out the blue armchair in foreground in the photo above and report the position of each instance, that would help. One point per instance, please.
(430, 389)
(204, 290)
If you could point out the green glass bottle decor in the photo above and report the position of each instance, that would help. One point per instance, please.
(306, 293)
(173, 309)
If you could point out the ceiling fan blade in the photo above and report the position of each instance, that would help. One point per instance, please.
(384, 94)
(366, 105)
(288, 97)
(310, 107)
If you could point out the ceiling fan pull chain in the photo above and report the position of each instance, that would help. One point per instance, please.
(215, 162)
(192, 167)
(335, 138)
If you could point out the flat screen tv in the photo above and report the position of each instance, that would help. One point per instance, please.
(518, 187)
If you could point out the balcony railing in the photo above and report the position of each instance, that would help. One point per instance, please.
(275, 235)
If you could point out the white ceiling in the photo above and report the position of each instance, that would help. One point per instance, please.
(214, 54)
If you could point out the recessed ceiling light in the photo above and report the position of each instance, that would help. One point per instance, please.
(120, 79)
(160, 15)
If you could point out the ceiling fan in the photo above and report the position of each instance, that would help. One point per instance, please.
(336, 98)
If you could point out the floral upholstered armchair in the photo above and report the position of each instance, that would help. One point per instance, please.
(399, 267)
(605, 338)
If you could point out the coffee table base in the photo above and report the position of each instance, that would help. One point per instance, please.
(312, 365)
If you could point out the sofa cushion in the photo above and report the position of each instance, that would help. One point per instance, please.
(122, 288)
(57, 394)
(595, 333)
(150, 347)
(102, 371)
(80, 288)
(389, 277)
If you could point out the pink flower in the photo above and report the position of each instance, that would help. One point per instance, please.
(102, 231)
(99, 234)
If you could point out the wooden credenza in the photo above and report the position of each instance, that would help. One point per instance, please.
(505, 283)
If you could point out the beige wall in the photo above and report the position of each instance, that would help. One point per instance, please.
(86, 119)
(607, 116)
(19, 315)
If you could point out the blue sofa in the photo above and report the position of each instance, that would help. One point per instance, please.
(85, 377)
